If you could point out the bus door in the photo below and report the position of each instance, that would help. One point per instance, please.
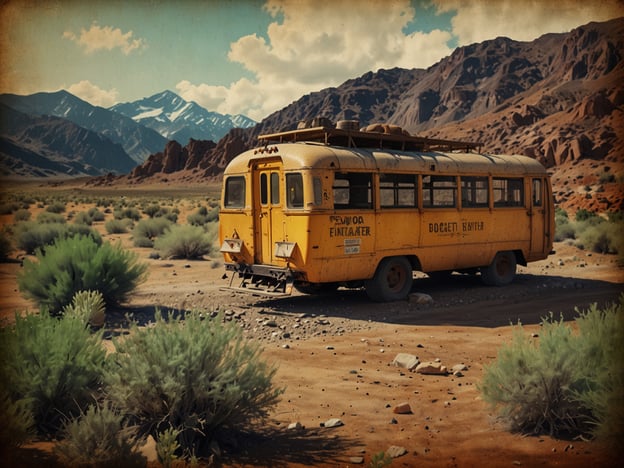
(268, 217)
(539, 215)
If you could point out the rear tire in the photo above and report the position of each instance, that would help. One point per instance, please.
(392, 281)
(501, 271)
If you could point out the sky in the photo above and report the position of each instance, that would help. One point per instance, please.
(251, 57)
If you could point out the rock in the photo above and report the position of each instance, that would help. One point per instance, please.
(356, 460)
(459, 368)
(420, 298)
(295, 426)
(433, 368)
(395, 451)
(402, 408)
(333, 422)
(405, 361)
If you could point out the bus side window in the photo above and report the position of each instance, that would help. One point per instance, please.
(275, 197)
(353, 190)
(439, 191)
(234, 192)
(294, 190)
(474, 192)
(318, 191)
(397, 190)
(508, 192)
(537, 192)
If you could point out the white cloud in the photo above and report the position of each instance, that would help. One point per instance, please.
(105, 38)
(91, 93)
(315, 44)
(523, 20)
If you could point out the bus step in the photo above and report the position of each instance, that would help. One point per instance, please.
(262, 287)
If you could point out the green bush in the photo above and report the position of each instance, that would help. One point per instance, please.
(50, 218)
(184, 242)
(55, 367)
(31, 235)
(89, 217)
(17, 420)
(202, 216)
(98, 438)
(195, 376)
(130, 213)
(147, 230)
(22, 215)
(6, 246)
(563, 383)
(56, 207)
(603, 238)
(79, 264)
(118, 226)
(88, 307)
(564, 229)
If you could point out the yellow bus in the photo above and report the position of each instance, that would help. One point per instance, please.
(321, 207)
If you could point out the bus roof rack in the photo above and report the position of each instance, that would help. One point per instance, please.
(353, 138)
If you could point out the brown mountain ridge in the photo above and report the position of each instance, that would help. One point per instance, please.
(558, 99)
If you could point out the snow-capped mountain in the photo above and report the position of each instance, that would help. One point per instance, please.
(177, 119)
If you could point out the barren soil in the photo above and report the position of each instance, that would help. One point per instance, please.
(334, 354)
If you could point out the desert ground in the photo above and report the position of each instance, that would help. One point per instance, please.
(334, 353)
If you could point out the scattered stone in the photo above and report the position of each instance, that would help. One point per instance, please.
(420, 299)
(356, 460)
(270, 323)
(394, 421)
(459, 368)
(402, 408)
(405, 361)
(333, 422)
(433, 368)
(295, 426)
(395, 451)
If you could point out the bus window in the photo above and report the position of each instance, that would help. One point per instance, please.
(537, 192)
(474, 192)
(234, 192)
(353, 190)
(439, 191)
(294, 190)
(508, 192)
(397, 190)
(318, 191)
(275, 198)
(264, 197)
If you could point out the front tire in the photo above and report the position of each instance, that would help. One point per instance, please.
(392, 281)
(501, 271)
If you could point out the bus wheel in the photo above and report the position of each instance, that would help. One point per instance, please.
(501, 271)
(392, 281)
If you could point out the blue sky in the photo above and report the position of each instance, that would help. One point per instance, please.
(251, 56)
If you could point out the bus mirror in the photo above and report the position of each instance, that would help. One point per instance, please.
(284, 249)
(232, 246)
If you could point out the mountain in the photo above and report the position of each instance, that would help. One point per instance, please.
(176, 119)
(51, 146)
(558, 99)
(137, 141)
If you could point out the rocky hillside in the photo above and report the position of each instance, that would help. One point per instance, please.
(558, 99)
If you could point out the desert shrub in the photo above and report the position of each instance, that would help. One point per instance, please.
(118, 226)
(203, 216)
(88, 307)
(166, 446)
(98, 438)
(565, 383)
(30, 236)
(147, 230)
(196, 376)
(604, 237)
(564, 229)
(79, 264)
(89, 217)
(22, 215)
(602, 333)
(56, 207)
(152, 210)
(6, 246)
(130, 213)
(17, 420)
(184, 242)
(583, 215)
(8, 208)
(55, 367)
(50, 218)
